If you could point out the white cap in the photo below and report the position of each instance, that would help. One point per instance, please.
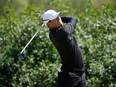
(49, 15)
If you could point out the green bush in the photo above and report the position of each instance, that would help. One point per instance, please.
(95, 33)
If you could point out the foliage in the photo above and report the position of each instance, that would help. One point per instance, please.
(95, 33)
(59, 5)
(97, 37)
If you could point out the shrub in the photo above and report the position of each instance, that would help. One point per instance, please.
(95, 33)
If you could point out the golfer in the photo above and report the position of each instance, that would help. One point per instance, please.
(71, 73)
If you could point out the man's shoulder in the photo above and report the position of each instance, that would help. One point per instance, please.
(67, 25)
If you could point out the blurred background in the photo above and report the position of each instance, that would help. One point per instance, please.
(78, 5)
(95, 32)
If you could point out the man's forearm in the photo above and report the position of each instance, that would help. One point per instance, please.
(68, 19)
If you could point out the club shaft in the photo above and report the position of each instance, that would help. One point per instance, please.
(31, 39)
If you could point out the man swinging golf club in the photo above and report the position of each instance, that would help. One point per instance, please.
(71, 73)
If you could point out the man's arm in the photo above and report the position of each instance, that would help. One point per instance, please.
(71, 20)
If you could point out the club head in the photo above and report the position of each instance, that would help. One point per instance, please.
(21, 56)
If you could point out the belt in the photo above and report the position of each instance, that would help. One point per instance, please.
(76, 71)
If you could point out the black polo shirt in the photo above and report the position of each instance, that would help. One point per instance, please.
(66, 45)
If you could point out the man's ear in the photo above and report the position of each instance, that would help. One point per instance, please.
(58, 18)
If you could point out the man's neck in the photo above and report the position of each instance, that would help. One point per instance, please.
(56, 27)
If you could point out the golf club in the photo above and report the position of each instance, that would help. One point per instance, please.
(22, 55)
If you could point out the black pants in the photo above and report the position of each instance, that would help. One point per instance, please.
(71, 79)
